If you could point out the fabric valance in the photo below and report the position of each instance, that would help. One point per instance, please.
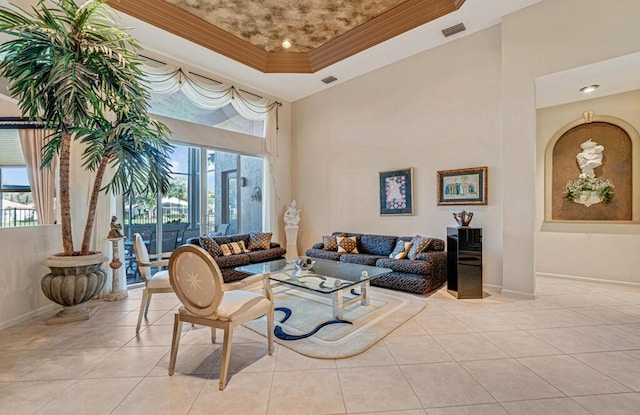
(206, 93)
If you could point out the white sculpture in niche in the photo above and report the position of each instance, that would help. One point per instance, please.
(589, 189)
(292, 215)
(589, 158)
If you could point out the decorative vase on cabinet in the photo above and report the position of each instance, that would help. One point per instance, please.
(464, 262)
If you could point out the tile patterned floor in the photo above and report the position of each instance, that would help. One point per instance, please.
(573, 350)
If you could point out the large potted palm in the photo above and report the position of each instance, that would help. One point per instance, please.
(73, 70)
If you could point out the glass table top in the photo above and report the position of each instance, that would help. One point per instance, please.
(326, 276)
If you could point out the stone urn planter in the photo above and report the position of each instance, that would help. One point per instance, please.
(72, 282)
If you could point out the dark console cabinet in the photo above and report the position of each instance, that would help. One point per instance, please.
(464, 262)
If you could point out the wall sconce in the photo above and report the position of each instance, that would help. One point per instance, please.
(243, 181)
(256, 194)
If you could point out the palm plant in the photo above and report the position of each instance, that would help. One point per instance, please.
(73, 70)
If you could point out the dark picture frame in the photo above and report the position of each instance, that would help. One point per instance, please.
(462, 186)
(396, 192)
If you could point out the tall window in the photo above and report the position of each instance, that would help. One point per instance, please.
(225, 200)
(235, 183)
(16, 202)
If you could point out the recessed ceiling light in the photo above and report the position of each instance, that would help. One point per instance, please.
(589, 88)
(286, 44)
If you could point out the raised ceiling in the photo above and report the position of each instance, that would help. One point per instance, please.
(322, 32)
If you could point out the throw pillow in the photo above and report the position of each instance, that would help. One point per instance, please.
(401, 250)
(420, 244)
(233, 248)
(210, 245)
(330, 243)
(259, 241)
(347, 244)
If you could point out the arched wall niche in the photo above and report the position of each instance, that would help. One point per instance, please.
(620, 164)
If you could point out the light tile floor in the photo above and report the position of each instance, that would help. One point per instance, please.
(573, 350)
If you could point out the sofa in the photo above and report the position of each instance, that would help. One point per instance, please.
(228, 264)
(426, 273)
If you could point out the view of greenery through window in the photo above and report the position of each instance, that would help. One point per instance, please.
(233, 202)
(16, 202)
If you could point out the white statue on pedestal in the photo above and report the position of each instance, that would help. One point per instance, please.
(292, 215)
(291, 221)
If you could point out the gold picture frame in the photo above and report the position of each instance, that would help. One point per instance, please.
(462, 186)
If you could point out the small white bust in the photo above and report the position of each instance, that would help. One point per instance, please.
(292, 215)
(589, 158)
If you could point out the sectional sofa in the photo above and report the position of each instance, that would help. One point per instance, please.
(426, 273)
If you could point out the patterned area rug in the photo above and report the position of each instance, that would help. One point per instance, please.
(369, 324)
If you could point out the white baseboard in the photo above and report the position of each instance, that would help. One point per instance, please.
(518, 294)
(596, 280)
(493, 287)
(26, 316)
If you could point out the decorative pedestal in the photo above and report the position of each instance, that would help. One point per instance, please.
(464, 262)
(116, 293)
(292, 241)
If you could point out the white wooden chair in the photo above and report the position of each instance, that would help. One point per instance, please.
(156, 283)
(208, 301)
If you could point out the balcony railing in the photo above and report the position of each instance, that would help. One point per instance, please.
(11, 217)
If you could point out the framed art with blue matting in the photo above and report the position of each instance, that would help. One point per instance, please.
(396, 192)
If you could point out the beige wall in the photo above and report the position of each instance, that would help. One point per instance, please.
(547, 37)
(23, 249)
(468, 103)
(438, 110)
(598, 251)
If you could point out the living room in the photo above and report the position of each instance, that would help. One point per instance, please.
(472, 101)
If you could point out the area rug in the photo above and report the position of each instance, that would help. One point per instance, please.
(361, 328)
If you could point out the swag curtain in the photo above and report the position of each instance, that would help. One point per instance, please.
(206, 93)
(209, 94)
(41, 180)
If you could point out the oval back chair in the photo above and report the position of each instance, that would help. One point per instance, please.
(207, 300)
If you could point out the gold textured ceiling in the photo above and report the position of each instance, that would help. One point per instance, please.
(306, 23)
(322, 32)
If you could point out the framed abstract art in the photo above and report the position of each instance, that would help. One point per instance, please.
(396, 192)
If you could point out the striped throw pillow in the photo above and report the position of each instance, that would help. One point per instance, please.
(401, 250)
(233, 248)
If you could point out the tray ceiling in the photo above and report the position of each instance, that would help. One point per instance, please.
(321, 32)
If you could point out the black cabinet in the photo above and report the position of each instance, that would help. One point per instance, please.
(464, 262)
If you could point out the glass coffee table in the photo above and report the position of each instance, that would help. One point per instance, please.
(326, 277)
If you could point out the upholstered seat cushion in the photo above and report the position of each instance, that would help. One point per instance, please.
(409, 282)
(266, 255)
(362, 259)
(237, 304)
(406, 265)
(321, 253)
(232, 260)
(159, 280)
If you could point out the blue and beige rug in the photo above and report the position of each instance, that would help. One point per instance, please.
(304, 322)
